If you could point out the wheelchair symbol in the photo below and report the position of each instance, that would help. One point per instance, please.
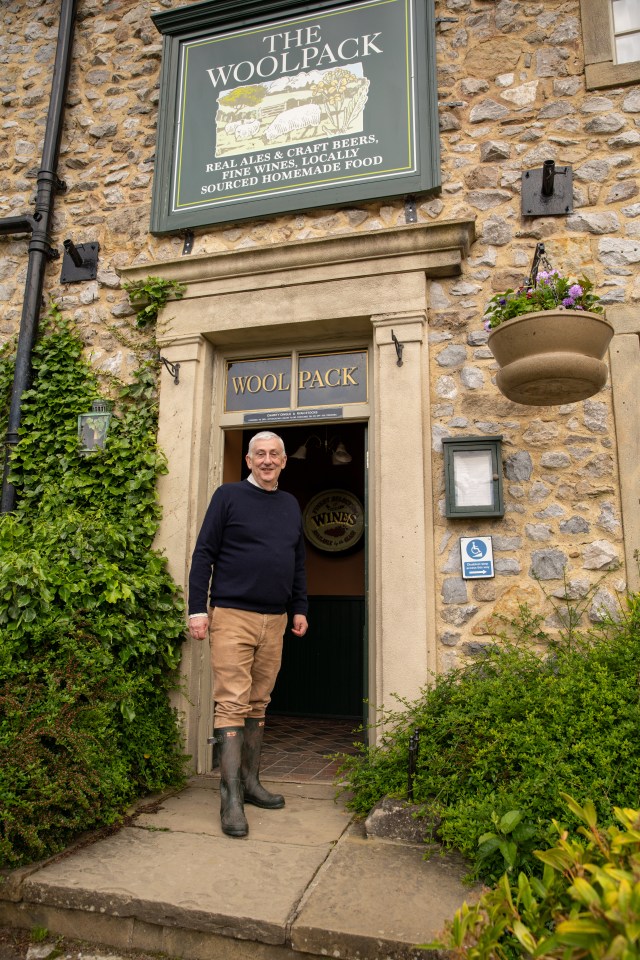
(476, 549)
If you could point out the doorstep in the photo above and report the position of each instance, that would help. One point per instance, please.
(306, 882)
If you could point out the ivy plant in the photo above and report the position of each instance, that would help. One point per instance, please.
(91, 623)
(150, 295)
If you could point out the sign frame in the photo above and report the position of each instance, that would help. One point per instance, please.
(477, 565)
(226, 20)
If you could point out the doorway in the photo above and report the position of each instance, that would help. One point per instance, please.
(323, 676)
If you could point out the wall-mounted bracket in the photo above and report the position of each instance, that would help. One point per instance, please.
(410, 210)
(547, 191)
(173, 368)
(399, 348)
(188, 242)
(79, 262)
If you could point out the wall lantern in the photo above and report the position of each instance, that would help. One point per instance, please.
(93, 427)
(473, 476)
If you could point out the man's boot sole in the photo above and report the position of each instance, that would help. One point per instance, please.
(264, 806)
(234, 833)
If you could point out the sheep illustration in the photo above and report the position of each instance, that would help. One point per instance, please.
(297, 118)
(246, 130)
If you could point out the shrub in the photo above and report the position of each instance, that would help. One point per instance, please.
(504, 736)
(90, 620)
(586, 904)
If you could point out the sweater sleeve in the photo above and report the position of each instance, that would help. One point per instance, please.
(299, 602)
(205, 553)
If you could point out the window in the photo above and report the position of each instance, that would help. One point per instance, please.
(611, 34)
(626, 30)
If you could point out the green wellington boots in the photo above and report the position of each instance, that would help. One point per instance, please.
(229, 741)
(254, 792)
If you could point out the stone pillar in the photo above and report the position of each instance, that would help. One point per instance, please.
(184, 429)
(401, 527)
(624, 356)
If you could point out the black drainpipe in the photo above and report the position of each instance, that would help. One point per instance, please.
(40, 249)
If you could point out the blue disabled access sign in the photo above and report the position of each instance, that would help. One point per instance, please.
(477, 557)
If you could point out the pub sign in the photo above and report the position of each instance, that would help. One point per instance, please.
(283, 105)
(310, 381)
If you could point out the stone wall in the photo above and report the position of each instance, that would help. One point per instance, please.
(511, 82)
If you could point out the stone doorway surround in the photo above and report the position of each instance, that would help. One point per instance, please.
(347, 288)
(624, 359)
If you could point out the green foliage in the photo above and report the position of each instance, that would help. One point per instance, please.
(550, 292)
(503, 737)
(91, 623)
(151, 295)
(585, 904)
(249, 96)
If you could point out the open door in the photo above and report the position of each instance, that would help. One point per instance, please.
(324, 674)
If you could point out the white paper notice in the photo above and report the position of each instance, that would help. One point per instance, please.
(473, 478)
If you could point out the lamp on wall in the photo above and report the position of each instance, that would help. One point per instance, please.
(94, 426)
(333, 446)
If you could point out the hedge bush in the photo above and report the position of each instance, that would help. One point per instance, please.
(586, 904)
(91, 623)
(502, 738)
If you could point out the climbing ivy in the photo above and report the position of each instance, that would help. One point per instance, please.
(91, 623)
(150, 295)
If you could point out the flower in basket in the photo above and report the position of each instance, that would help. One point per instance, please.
(551, 291)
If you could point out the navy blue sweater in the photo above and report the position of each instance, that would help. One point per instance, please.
(253, 538)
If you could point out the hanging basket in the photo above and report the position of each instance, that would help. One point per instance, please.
(551, 357)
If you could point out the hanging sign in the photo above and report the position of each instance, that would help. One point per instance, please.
(334, 520)
(477, 558)
(326, 104)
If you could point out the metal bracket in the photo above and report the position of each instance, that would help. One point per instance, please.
(399, 348)
(79, 262)
(173, 368)
(410, 210)
(188, 242)
(547, 191)
(414, 746)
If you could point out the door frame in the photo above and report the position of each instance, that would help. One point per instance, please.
(362, 286)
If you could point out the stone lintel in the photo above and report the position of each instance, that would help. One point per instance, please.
(624, 317)
(441, 246)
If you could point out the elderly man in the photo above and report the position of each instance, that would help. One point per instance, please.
(252, 537)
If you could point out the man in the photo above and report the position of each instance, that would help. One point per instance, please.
(252, 536)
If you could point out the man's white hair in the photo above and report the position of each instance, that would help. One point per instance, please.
(265, 435)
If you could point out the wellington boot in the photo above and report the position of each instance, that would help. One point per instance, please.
(229, 742)
(254, 792)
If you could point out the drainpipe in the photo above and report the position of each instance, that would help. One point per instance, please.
(40, 249)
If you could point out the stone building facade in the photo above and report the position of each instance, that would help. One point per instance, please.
(519, 82)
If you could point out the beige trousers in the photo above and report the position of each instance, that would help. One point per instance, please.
(246, 652)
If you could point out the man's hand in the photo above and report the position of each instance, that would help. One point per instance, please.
(198, 627)
(300, 625)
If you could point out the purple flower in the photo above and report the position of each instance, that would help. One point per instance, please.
(502, 301)
(487, 324)
(576, 290)
(568, 302)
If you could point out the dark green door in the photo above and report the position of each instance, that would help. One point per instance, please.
(322, 674)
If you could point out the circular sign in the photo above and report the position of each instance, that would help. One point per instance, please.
(476, 549)
(334, 520)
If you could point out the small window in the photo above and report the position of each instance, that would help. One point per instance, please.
(611, 34)
(626, 30)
